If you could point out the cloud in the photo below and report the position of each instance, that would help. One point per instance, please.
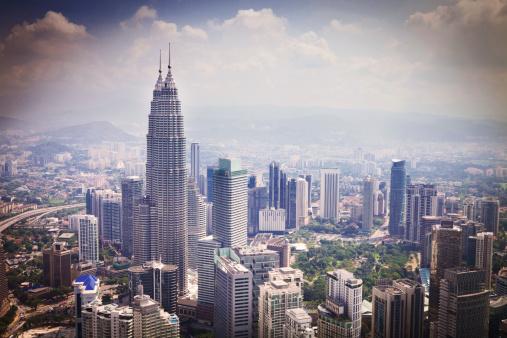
(194, 32)
(143, 13)
(341, 27)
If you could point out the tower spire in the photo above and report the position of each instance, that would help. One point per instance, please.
(160, 63)
(169, 81)
(169, 64)
(158, 84)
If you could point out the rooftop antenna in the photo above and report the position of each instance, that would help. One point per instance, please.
(169, 65)
(160, 63)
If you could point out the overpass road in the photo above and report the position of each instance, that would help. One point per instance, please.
(31, 213)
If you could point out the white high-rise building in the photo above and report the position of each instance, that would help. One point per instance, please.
(329, 193)
(206, 277)
(298, 324)
(230, 203)
(272, 220)
(88, 238)
(108, 320)
(152, 321)
(233, 299)
(279, 294)
(484, 254)
(301, 202)
(195, 162)
(197, 221)
(370, 187)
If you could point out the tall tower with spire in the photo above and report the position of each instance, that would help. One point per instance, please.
(166, 176)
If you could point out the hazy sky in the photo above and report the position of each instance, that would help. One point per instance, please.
(96, 60)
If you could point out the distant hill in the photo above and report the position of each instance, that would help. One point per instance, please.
(93, 132)
(11, 123)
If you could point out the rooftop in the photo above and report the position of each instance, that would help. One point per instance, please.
(89, 281)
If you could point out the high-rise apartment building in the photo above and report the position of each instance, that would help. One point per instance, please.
(88, 238)
(298, 324)
(301, 202)
(108, 320)
(233, 299)
(274, 185)
(197, 221)
(464, 304)
(445, 254)
(230, 204)
(195, 162)
(111, 220)
(131, 193)
(159, 281)
(370, 187)
(397, 198)
(276, 296)
(56, 263)
(419, 198)
(329, 193)
(490, 214)
(166, 175)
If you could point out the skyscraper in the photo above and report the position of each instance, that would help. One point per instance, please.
(152, 321)
(464, 304)
(230, 205)
(274, 185)
(298, 324)
(206, 282)
(257, 200)
(490, 217)
(481, 250)
(329, 193)
(445, 254)
(370, 186)
(233, 299)
(197, 221)
(111, 220)
(131, 193)
(397, 198)
(419, 199)
(166, 175)
(56, 262)
(301, 202)
(88, 238)
(210, 172)
(195, 162)
(283, 190)
(145, 235)
(159, 281)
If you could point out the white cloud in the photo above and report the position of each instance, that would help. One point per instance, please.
(194, 32)
(341, 27)
(143, 13)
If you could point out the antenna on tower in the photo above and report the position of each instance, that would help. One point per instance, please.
(169, 65)
(160, 63)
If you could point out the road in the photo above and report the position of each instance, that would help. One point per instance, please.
(31, 213)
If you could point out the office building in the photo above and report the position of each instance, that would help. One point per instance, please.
(481, 252)
(4, 289)
(145, 242)
(301, 202)
(89, 201)
(282, 247)
(397, 198)
(419, 198)
(388, 312)
(413, 310)
(445, 254)
(197, 221)
(230, 203)
(298, 324)
(490, 214)
(283, 190)
(291, 215)
(257, 200)
(209, 218)
(276, 296)
(340, 315)
(166, 175)
(86, 291)
(272, 220)
(233, 299)
(260, 261)
(56, 263)
(274, 185)
(159, 281)
(329, 193)
(210, 173)
(131, 193)
(309, 178)
(206, 277)
(195, 163)
(370, 186)
(427, 224)
(111, 220)
(464, 304)
(88, 238)
(98, 196)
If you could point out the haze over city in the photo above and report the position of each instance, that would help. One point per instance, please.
(253, 169)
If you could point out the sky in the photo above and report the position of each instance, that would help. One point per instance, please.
(63, 61)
